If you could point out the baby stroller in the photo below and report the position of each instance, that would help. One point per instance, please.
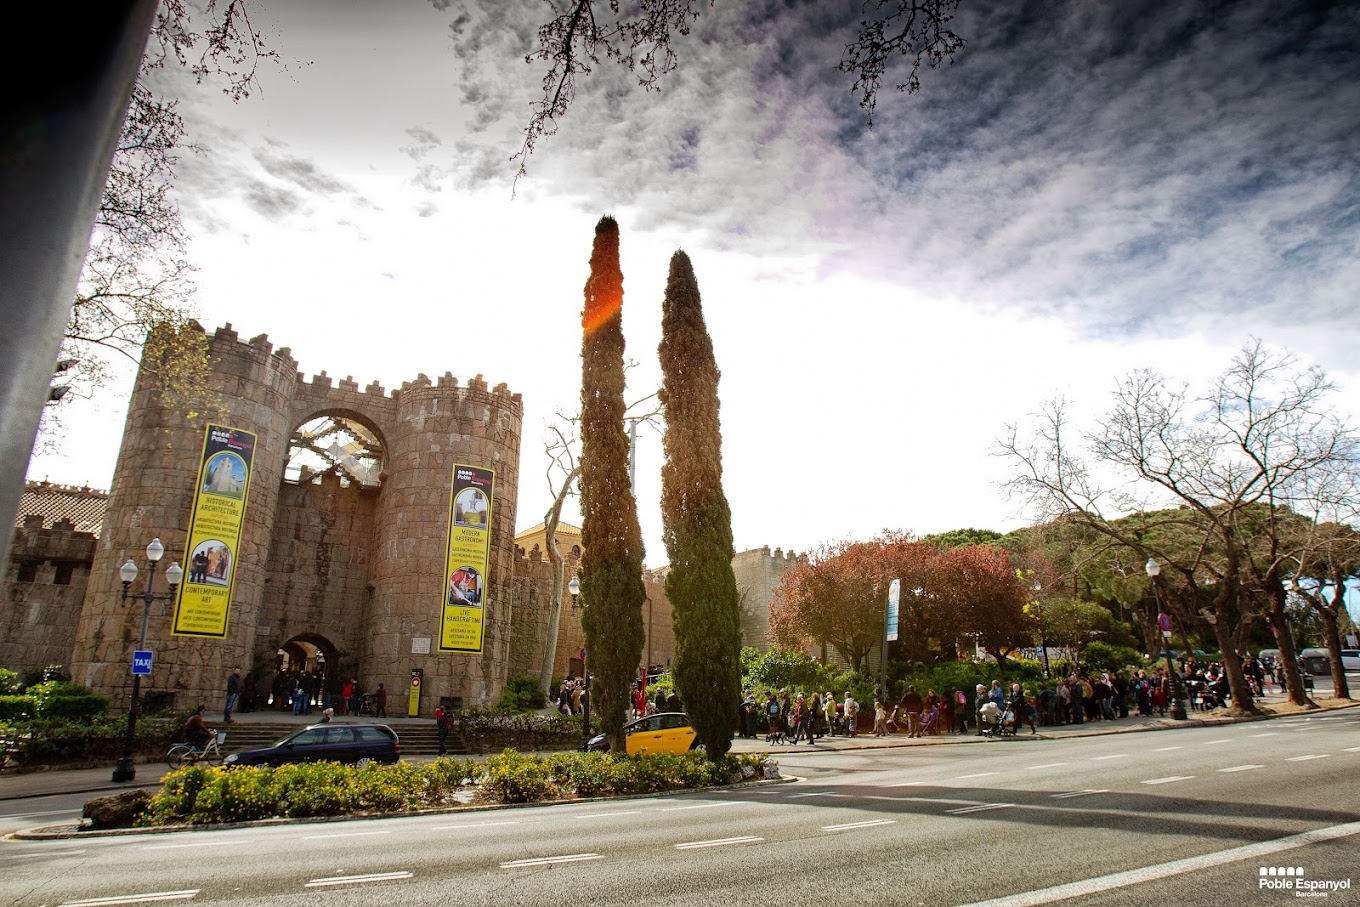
(930, 722)
(997, 723)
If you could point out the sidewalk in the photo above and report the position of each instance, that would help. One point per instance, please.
(98, 780)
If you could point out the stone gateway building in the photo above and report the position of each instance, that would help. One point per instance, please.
(338, 573)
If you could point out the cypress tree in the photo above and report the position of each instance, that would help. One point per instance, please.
(611, 567)
(696, 520)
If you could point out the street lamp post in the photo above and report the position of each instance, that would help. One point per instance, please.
(127, 573)
(574, 587)
(1154, 570)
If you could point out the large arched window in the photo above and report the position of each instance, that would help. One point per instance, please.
(334, 445)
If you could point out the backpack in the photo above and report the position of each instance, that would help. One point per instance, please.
(773, 708)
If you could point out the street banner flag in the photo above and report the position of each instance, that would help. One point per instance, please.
(894, 596)
(462, 623)
(203, 602)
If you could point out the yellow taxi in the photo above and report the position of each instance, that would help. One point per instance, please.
(664, 732)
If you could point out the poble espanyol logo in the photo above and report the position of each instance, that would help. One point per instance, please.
(1291, 878)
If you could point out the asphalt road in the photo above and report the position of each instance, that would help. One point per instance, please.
(1183, 817)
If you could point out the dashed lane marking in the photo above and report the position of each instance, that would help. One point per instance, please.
(1046, 765)
(981, 808)
(720, 842)
(1167, 780)
(471, 825)
(332, 881)
(1115, 756)
(1267, 734)
(1240, 768)
(818, 793)
(673, 809)
(1306, 758)
(621, 812)
(978, 775)
(869, 824)
(1080, 793)
(550, 861)
(1167, 749)
(182, 895)
(1215, 742)
(194, 844)
(345, 834)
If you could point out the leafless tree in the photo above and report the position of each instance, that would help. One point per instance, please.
(1233, 462)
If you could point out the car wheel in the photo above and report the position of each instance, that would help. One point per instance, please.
(699, 747)
(363, 762)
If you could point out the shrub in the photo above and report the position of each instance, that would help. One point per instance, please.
(198, 794)
(522, 694)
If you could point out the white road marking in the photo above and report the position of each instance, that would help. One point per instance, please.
(672, 809)
(910, 784)
(922, 800)
(1167, 749)
(1080, 793)
(720, 842)
(549, 861)
(1115, 756)
(30, 855)
(50, 812)
(471, 825)
(1167, 780)
(355, 880)
(1212, 742)
(346, 834)
(1241, 768)
(1046, 765)
(849, 825)
(978, 775)
(1161, 871)
(195, 844)
(984, 807)
(1352, 749)
(621, 812)
(818, 793)
(1306, 758)
(183, 895)
(1270, 734)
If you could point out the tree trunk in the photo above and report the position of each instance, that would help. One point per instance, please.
(550, 522)
(1284, 638)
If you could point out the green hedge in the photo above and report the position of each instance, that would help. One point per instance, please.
(487, 729)
(202, 795)
(48, 743)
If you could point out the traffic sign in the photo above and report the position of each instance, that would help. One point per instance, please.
(1164, 622)
(141, 662)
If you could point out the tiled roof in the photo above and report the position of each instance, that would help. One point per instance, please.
(83, 506)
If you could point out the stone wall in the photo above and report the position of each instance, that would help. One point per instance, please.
(758, 575)
(40, 613)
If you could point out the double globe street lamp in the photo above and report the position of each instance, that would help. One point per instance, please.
(128, 573)
(578, 603)
(1174, 689)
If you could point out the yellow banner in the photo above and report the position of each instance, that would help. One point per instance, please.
(204, 602)
(461, 624)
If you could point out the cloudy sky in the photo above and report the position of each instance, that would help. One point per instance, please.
(1090, 187)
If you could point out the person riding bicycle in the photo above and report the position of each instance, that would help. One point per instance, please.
(196, 732)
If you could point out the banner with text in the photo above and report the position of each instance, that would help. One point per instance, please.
(204, 603)
(461, 626)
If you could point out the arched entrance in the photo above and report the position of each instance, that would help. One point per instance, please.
(306, 668)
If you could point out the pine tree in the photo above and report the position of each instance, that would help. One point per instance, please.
(611, 568)
(696, 520)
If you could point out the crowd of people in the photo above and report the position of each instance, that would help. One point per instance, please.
(797, 716)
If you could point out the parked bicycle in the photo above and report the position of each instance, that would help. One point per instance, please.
(182, 754)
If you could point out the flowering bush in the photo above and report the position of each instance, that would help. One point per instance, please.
(198, 794)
